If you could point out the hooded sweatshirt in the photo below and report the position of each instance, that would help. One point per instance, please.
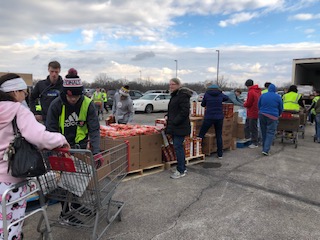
(251, 104)
(33, 131)
(212, 100)
(270, 103)
(122, 109)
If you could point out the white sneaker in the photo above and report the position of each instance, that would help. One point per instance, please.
(177, 175)
(253, 146)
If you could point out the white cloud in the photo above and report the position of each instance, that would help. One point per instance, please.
(304, 16)
(237, 18)
(88, 36)
(310, 30)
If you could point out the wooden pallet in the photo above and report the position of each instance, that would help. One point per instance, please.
(144, 171)
(189, 161)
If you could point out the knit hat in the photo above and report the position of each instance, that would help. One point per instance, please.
(213, 86)
(72, 84)
(249, 83)
(124, 91)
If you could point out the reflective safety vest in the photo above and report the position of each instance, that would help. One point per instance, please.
(264, 91)
(82, 129)
(314, 100)
(97, 97)
(104, 97)
(290, 101)
(38, 108)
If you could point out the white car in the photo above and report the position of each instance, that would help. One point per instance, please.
(152, 102)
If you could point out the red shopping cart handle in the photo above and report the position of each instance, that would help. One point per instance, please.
(64, 150)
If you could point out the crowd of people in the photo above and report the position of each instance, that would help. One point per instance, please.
(70, 119)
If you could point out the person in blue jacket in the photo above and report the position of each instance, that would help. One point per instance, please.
(234, 97)
(212, 101)
(270, 108)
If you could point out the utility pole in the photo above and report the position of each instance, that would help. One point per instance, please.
(218, 65)
(176, 68)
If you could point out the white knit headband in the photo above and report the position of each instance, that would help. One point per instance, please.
(15, 84)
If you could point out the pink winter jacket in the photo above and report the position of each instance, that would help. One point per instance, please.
(33, 131)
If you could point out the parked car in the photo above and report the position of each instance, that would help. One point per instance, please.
(200, 97)
(243, 96)
(152, 102)
(156, 91)
(135, 94)
(110, 95)
(194, 97)
(89, 91)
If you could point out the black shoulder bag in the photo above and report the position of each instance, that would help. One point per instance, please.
(24, 159)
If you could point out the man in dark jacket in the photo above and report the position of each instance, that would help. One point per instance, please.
(212, 101)
(178, 122)
(251, 125)
(74, 115)
(46, 91)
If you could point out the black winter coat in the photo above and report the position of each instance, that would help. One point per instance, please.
(71, 122)
(178, 122)
(46, 92)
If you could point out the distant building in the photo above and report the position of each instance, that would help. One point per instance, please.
(27, 77)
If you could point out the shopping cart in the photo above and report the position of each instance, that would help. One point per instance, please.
(288, 127)
(35, 189)
(303, 121)
(73, 178)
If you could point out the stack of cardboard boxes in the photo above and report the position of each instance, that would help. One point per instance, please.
(144, 150)
(209, 145)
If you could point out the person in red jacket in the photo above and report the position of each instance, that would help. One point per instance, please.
(251, 104)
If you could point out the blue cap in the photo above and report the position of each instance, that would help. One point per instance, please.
(213, 86)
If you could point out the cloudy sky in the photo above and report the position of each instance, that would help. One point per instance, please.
(256, 39)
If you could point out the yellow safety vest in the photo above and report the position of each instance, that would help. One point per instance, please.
(104, 97)
(82, 131)
(290, 101)
(264, 91)
(97, 97)
(314, 100)
(38, 108)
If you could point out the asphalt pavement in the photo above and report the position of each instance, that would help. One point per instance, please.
(249, 196)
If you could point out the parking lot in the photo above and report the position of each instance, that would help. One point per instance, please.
(250, 196)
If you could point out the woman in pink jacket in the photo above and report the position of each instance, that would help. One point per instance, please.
(13, 91)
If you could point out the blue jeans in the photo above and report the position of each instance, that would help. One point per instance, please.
(178, 147)
(318, 127)
(218, 124)
(268, 130)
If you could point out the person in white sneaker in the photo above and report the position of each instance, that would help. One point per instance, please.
(251, 104)
(270, 108)
(178, 122)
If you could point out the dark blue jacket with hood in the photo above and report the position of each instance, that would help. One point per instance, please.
(212, 100)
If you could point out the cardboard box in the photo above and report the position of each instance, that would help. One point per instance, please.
(134, 143)
(209, 144)
(196, 124)
(240, 131)
(150, 150)
(134, 162)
